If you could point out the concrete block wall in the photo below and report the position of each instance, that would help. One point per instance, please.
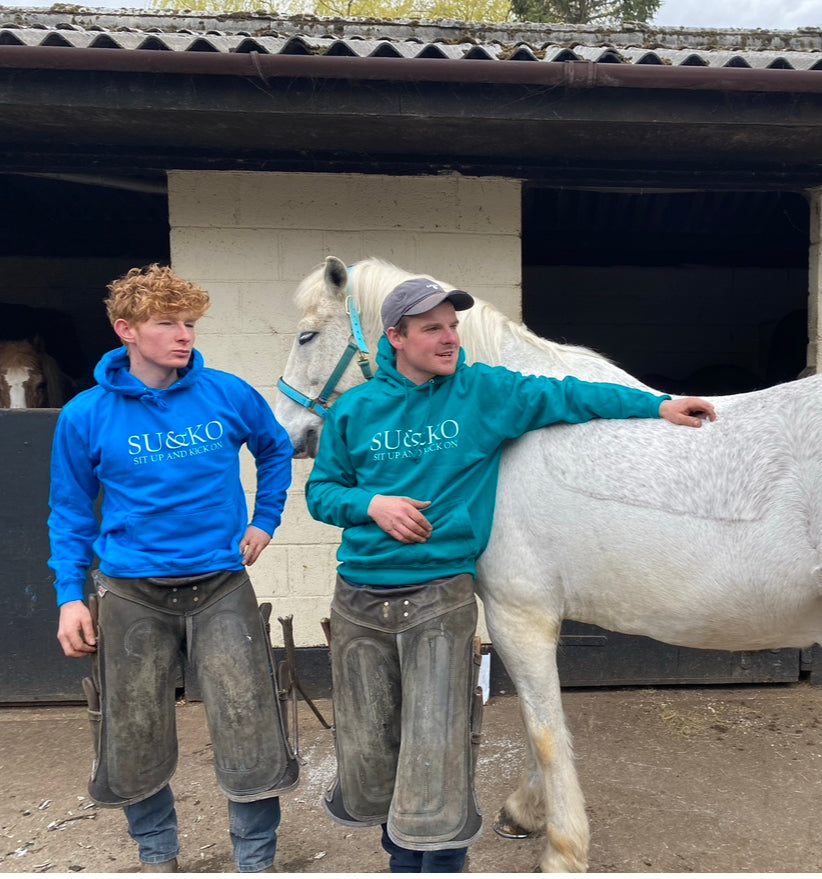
(249, 238)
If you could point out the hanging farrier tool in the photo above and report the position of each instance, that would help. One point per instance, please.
(291, 658)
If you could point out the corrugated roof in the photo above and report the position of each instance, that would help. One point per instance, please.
(85, 28)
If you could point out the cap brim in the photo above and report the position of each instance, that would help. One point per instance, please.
(458, 298)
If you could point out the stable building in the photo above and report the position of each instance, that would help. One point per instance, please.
(650, 193)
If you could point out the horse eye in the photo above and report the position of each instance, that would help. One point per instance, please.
(307, 336)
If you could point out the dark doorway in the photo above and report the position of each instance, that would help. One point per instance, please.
(692, 292)
(61, 242)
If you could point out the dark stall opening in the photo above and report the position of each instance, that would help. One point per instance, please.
(692, 292)
(61, 242)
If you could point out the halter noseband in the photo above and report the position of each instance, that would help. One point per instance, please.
(356, 345)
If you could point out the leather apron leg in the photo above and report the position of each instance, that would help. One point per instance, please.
(434, 806)
(231, 655)
(137, 665)
(364, 665)
(143, 626)
(407, 655)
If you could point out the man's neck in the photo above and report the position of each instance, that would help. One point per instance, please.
(152, 376)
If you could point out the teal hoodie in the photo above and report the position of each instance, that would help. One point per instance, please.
(440, 442)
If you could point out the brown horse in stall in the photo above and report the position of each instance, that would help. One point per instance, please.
(30, 378)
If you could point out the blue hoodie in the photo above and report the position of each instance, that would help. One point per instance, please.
(439, 441)
(168, 464)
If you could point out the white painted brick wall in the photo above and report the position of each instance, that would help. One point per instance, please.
(249, 238)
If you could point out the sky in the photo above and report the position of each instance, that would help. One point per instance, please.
(746, 14)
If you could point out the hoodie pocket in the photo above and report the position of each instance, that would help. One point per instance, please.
(452, 532)
(183, 535)
(452, 539)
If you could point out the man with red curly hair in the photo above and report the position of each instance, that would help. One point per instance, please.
(159, 437)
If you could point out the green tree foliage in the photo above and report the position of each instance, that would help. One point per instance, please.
(464, 10)
(568, 11)
(585, 11)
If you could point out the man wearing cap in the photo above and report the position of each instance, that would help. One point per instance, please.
(407, 467)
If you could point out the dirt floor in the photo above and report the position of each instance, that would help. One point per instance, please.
(676, 780)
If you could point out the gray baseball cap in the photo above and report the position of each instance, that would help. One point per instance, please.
(418, 295)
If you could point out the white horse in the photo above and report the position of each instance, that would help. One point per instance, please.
(701, 538)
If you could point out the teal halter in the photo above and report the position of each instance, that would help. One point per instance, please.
(356, 345)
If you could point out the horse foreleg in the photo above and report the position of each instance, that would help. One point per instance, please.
(549, 794)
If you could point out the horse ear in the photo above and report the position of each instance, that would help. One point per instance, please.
(335, 277)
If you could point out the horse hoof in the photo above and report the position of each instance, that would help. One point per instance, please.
(506, 828)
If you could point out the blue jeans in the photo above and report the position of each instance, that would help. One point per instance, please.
(152, 824)
(403, 860)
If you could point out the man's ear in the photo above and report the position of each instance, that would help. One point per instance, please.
(123, 329)
(394, 337)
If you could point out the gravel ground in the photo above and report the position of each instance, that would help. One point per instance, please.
(676, 780)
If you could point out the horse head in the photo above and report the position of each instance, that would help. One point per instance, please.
(322, 335)
(335, 345)
(29, 377)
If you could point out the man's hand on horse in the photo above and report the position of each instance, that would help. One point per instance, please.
(690, 411)
(400, 517)
(75, 631)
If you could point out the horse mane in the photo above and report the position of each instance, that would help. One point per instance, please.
(484, 329)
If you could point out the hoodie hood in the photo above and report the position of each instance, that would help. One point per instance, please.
(387, 367)
(112, 374)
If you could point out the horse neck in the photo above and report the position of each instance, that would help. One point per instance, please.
(373, 278)
(487, 335)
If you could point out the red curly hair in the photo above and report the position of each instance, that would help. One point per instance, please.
(153, 291)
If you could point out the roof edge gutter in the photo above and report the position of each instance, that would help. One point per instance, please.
(567, 74)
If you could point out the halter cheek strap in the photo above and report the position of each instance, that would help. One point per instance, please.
(356, 345)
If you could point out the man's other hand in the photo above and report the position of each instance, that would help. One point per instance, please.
(75, 631)
(400, 517)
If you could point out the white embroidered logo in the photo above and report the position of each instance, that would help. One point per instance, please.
(411, 443)
(193, 440)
